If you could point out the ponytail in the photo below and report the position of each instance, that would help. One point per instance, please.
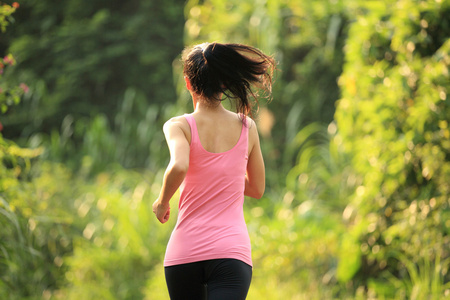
(229, 69)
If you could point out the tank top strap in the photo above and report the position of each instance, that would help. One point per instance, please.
(243, 140)
(194, 132)
(245, 123)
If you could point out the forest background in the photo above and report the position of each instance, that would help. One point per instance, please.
(356, 142)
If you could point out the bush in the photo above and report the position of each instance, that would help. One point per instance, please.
(393, 121)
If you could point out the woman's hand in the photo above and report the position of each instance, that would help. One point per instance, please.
(162, 211)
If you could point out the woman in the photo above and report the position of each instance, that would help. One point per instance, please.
(215, 157)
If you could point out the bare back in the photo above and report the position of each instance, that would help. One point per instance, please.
(218, 132)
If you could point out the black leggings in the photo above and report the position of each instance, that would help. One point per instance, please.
(216, 279)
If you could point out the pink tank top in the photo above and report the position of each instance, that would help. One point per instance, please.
(211, 221)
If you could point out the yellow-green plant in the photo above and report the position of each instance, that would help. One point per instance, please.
(9, 94)
(392, 121)
(33, 220)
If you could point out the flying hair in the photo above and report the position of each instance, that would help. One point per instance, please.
(234, 70)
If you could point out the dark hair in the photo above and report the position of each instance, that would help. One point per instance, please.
(231, 69)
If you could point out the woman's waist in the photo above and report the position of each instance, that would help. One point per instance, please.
(212, 237)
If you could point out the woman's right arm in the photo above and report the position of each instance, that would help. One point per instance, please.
(255, 179)
(177, 168)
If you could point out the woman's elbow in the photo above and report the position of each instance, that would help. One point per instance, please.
(255, 192)
(259, 192)
(179, 169)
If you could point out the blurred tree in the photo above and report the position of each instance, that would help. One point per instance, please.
(9, 94)
(33, 233)
(81, 57)
(100, 75)
(393, 122)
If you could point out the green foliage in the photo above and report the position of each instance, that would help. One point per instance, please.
(355, 208)
(132, 140)
(94, 59)
(118, 231)
(21, 238)
(81, 238)
(6, 11)
(9, 95)
(43, 207)
(36, 230)
(392, 121)
(293, 249)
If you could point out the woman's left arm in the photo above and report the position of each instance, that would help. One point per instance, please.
(177, 168)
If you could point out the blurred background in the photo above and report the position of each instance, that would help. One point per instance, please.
(356, 141)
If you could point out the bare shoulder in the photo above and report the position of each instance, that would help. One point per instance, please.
(251, 124)
(175, 124)
(253, 136)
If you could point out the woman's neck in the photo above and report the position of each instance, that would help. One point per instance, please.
(205, 105)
